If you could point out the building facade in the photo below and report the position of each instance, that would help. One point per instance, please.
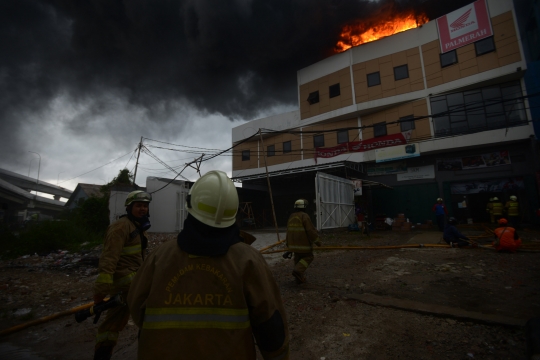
(419, 114)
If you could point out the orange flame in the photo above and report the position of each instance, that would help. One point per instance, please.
(354, 35)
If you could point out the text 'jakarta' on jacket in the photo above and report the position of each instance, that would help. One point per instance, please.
(301, 234)
(121, 258)
(208, 307)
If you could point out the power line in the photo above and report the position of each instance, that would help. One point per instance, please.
(88, 172)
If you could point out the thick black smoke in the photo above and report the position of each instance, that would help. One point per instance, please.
(231, 57)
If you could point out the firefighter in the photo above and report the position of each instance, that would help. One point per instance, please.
(301, 235)
(452, 236)
(497, 209)
(208, 295)
(440, 213)
(512, 211)
(489, 210)
(122, 256)
(507, 238)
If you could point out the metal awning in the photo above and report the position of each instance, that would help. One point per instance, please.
(372, 184)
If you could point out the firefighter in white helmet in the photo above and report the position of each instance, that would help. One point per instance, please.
(441, 212)
(512, 211)
(301, 235)
(122, 256)
(208, 295)
(497, 209)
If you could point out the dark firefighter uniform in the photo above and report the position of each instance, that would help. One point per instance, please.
(301, 235)
(207, 307)
(120, 260)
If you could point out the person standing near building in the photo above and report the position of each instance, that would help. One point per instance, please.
(512, 211)
(440, 213)
(122, 256)
(497, 209)
(208, 295)
(301, 235)
(489, 210)
(507, 238)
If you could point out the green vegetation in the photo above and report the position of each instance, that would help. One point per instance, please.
(85, 224)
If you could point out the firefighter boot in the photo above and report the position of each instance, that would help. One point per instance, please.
(299, 278)
(103, 352)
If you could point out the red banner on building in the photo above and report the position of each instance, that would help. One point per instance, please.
(464, 26)
(360, 146)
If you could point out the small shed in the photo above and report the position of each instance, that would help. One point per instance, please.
(167, 211)
(82, 192)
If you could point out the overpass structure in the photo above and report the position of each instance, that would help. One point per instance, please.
(16, 196)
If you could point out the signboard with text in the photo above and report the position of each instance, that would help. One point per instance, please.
(464, 26)
(397, 152)
(417, 173)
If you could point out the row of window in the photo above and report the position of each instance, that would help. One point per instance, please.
(482, 47)
(333, 91)
(406, 122)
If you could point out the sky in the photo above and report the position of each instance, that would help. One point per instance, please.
(82, 81)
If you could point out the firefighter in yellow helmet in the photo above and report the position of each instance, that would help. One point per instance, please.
(208, 295)
(512, 211)
(489, 210)
(497, 209)
(122, 255)
(301, 235)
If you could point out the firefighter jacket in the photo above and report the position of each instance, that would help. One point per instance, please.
(489, 207)
(207, 307)
(120, 259)
(301, 234)
(497, 209)
(512, 208)
(507, 237)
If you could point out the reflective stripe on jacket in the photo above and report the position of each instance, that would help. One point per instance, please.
(301, 234)
(120, 259)
(497, 208)
(198, 307)
(512, 207)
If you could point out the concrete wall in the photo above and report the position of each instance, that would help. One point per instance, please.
(167, 210)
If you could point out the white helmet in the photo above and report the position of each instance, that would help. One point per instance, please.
(300, 204)
(495, 199)
(213, 200)
(137, 195)
(439, 199)
(513, 198)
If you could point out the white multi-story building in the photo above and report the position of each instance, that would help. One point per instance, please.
(436, 111)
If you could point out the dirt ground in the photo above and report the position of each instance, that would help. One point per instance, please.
(326, 322)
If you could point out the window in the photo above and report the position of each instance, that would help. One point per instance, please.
(448, 58)
(334, 90)
(401, 72)
(492, 107)
(373, 79)
(271, 150)
(407, 123)
(287, 148)
(313, 98)
(484, 46)
(342, 136)
(245, 155)
(318, 140)
(379, 129)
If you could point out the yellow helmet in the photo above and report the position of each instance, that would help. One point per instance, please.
(495, 199)
(138, 195)
(213, 200)
(513, 198)
(301, 204)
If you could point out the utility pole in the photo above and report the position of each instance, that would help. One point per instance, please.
(137, 163)
(269, 187)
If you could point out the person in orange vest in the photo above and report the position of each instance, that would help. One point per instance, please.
(497, 209)
(301, 235)
(489, 210)
(507, 237)
(512, 211)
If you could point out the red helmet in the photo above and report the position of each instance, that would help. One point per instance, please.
(503, 221)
